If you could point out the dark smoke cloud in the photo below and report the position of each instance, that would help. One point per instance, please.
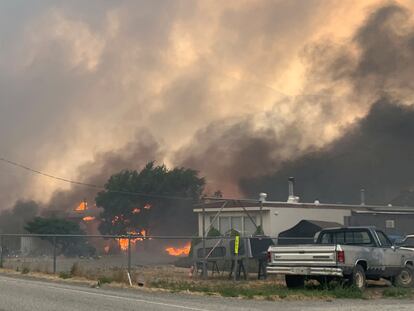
(223, 149)
(378, 60)
(376, 154)
(14, 220)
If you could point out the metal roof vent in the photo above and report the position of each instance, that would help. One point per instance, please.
(262, 197)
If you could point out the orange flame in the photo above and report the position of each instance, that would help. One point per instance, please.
(123, 242)
(136, 211)
(147, 206)
(82, 206)
(88, 218)
(183, 251)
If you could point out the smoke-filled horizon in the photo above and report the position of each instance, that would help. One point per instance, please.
(246, 92)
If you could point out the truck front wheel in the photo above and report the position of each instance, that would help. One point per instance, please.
(405, 278)
(295, 281)
(358, 278)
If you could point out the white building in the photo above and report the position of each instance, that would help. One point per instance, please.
(276, 216)
(245, 215)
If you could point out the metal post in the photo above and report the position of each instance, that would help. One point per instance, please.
(246, 254)
(2, 251)
(203, 227)
(54, 255)
(236, 259)
(129, 254)
(261, 216)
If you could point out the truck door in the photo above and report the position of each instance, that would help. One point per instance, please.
(368, 250)
(392, 259)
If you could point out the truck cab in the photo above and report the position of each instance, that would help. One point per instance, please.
(354, 254)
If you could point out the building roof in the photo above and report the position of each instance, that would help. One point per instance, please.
(237, 204)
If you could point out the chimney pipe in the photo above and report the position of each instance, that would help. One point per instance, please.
(362, 196)
(291, 186)
(292, 198)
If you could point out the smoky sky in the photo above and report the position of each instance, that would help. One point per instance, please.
(236, 90)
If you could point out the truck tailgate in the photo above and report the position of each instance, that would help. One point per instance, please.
(303, 255)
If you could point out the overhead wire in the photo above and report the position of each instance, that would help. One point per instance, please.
(97, 187)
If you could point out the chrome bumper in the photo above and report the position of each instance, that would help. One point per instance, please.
(304, 270)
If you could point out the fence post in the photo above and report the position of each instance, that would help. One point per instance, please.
(54, 255)
(236, 259)
(2, 250)
(129, 254)
(246, 253)
(204, 244)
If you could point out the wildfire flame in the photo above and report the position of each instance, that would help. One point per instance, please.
(123, 242)
(175, 251)
(88, 218)
(136, 211)
(82, 206)
(147, 206)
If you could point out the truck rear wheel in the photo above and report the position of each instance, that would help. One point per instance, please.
(295, 281)
(405, 278)
(358, 278)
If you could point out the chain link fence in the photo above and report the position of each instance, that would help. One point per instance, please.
(137, 258)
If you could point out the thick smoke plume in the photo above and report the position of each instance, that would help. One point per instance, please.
(377, 63)
(80, 81)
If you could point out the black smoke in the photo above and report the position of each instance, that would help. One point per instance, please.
(377, 154)
(15, 219)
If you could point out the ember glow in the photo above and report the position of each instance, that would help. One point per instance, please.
(175, 251)
(88, 218)
(136, 211)
(82, 207)
(147, 206)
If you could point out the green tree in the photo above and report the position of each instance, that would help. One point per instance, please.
(69, 246)
(150, 200)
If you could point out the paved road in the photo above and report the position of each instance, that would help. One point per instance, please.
(19, 294)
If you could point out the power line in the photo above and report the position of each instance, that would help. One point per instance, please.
(97, 187)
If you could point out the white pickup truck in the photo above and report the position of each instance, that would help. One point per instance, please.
(351, 253)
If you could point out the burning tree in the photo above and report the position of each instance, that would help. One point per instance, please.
(147, 201)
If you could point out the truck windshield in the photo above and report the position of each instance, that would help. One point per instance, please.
(346, 237)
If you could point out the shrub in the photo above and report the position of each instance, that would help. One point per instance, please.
(25, 270)
(104, 280)
(65, 275)
(76, 270)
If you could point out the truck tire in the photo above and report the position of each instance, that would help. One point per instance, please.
(405, 278)
(295, 281)
(358, 278)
